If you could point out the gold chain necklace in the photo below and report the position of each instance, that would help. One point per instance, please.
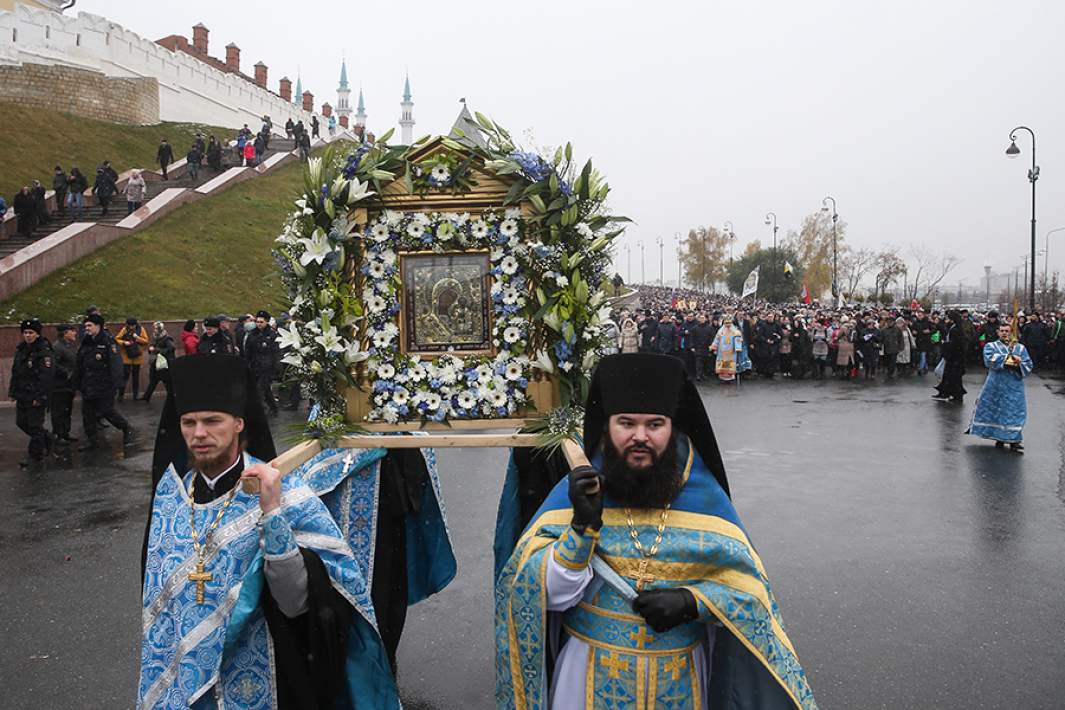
(642, 576)
(199, 576)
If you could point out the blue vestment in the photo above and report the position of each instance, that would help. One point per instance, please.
(1001, 410)
(704, 549)
(220, 653)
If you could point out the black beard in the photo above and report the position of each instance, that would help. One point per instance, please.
(651, 487)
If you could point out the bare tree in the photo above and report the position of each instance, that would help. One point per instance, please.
(890, 267)
(854, 264)
(928, 268)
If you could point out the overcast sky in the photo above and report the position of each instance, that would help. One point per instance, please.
(699, 112)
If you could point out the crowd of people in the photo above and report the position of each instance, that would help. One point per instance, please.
(726, 337)
(102, 366)
(30, 204)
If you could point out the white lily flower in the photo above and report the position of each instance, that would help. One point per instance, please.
(588, 361)
(289, 338)
(317, 248)
(552, 321)
(294, 359)
(512, 213)
(330, 341)
(314, 170)
(353, 354)
(358, 191)
(543, 362)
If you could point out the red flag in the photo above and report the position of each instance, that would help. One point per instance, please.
(806, 294)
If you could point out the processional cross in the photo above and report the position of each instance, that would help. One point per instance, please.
(201, 578)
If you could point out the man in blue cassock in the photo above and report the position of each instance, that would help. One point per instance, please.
(266, 600)
(635, 584)
(1001, 410)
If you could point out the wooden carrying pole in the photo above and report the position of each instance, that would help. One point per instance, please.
(305, 451)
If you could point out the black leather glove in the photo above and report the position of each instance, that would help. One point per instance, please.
(665, 608)
(587, 505)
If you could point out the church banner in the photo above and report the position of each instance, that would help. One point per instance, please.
(751, 284)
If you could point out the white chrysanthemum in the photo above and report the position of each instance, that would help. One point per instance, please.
(512, 212)
(391, 217)
(385, 371)
(377, 270)
(484, 374)
(441, 173)
(479, 229)
(513, 371)
(509, 227)
(498, 399)
(512, 335)
(509, 265)
(377, 305)
(496, 254)
(388, 256)
(392, 329)
(561, 280)
(400, 396)
(417, 374)
(380, 232)
(467, 400)
(432, 400)
(390, 414)
(510, 295)
(415, 229)
(497, 287)
(447, 375)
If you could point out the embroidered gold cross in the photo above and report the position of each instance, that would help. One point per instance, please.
(641, 637)
(200, 578)
(676, 665)
(642, 576)
(614, 664)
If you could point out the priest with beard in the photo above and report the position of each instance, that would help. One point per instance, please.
(249, 600)
(636, 585)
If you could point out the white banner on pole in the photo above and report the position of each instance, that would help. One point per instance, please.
(751, 284)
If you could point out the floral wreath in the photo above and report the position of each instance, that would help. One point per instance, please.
(547, 265)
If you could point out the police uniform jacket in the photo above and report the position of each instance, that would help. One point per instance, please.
(262, 351)
(32, 371)
(217, 343)
(99, 366)
(66, 361)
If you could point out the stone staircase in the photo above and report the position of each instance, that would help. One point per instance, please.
(24, 261)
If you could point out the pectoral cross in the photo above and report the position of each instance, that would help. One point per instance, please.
(348, 460)
(642, 576)
(200, 578)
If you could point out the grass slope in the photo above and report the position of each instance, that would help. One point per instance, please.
(207, 257)
(35, 141)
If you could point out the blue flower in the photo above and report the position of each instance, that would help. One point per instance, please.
(563, 351)
(435, 383)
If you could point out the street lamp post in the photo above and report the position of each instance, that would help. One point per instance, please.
(1046, 260)
(731, 234)
(661, 260)
(680, 273)
(643, 265)
(773, 216)
(1033, 174)
(835, 244)
(987, 286)
(628, 269)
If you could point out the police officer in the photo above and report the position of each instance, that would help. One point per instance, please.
(66, 361)
(97, 376)
(214, 339)
(262, 352)
(31, 384)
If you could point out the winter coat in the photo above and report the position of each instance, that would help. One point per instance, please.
(99, 367)
(190, 341)
(262, 352)
(892, 338)
(165, 154)
(135, 189)
(666, 340)
(31, 372)
(163, 345)
(105, 186)
(132, 341)
(630, 338)
(66, 361)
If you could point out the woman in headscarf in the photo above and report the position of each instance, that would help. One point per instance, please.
(630, 338)
(161, 353)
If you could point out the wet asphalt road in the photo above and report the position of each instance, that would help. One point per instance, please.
(915, 567)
